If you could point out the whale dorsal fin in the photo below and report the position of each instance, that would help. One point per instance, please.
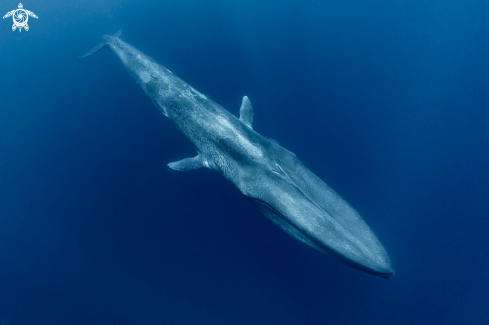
(246, 112)
(196, 162)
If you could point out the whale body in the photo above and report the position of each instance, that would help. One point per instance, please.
(268, 175)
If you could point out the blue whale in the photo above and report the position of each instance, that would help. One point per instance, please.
(272, 178)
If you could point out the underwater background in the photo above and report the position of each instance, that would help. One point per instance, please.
(386, 101)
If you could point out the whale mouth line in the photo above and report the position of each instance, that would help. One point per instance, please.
(323, 248)
(318, 244)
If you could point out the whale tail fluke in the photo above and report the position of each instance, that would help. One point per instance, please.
(101, 45)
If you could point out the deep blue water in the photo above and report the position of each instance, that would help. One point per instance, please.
(386, 101)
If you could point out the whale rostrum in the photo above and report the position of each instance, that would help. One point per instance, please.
(268, 175)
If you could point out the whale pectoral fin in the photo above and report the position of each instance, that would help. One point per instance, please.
(246, 112)
(189, 164)
(94, 50)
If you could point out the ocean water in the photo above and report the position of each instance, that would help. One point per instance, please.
(386, 101)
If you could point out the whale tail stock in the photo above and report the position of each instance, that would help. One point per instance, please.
(100, 46)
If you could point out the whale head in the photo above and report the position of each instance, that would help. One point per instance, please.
(306, 208)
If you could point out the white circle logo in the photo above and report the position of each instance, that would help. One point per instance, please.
(20, 17)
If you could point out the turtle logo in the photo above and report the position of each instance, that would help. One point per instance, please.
(20, 17)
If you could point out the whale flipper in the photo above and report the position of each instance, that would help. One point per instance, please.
(101, 45)
(188, 164)
(118, 33)
(94, 50)
(246, 112)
